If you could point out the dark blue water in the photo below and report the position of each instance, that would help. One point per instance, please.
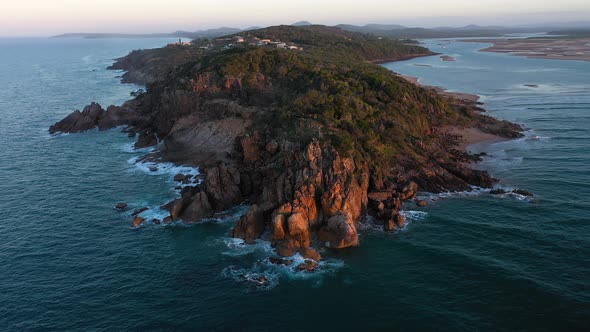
(69, 261)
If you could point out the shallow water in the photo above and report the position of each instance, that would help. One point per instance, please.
(69, 261)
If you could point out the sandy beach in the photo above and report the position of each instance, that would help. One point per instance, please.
(541, 48)
(474, 136)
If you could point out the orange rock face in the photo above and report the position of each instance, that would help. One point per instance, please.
(138, 221)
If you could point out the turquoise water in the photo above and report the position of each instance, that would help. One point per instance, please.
(69, 261)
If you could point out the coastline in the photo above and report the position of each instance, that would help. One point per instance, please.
(300, 185)
(403, 58)
(462, 96)
(473, 135)
(469, 135)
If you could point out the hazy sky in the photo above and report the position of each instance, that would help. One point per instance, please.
(47, 17)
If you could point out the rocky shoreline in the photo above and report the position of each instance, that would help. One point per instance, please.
(306, 190)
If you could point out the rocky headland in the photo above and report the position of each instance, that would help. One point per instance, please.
(314, 140)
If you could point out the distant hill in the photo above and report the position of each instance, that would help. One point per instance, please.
(369, 28)
(380, 30)
(301, 24)
(402, 32)
(210, 33)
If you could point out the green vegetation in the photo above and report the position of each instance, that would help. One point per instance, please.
(335, 42)
(330, 90)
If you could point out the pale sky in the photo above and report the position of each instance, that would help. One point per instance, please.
(49, 17)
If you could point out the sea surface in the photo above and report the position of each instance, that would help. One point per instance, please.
(466, 262)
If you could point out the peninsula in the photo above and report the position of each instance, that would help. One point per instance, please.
(302, 125)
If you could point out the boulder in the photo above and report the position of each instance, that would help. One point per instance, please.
(310, 253)
(308, 265)
(396, 221)
(287, 247)
(250, 226)
(409, 191)
(222, 186)
(198, 209)
(179, 177)
(117, 116)
(138, 221)
(421, 203)
(340, 232)
(156, 221)
(498, 192)
(400, 220)
(297, 224)
(280, 261)
(78, 121)
(121, 206)
(93, 116)
(278, 228)
(146, 139)
(389, 225)
(250, 150)
(523, 192)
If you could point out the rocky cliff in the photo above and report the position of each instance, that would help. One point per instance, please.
(314, 141)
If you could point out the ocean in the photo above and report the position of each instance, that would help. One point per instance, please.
(466, 262)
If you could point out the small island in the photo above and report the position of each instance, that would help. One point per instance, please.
(301, 124)
(448, 58)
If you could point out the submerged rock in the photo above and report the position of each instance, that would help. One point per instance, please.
(523, 192)
(280, 261)
(308, 265)
(310, 253)
(498, 192)
(179, 177)
(121, 206)
(138, 211)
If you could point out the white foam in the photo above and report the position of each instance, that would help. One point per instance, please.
(414, 215)
(166, 168)
(253, 278)
(475, 191)
(238, 247)
(273, 273)
(410, 215)
(87, 59)
(154, 213)
(129, 148)
(230, 216)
